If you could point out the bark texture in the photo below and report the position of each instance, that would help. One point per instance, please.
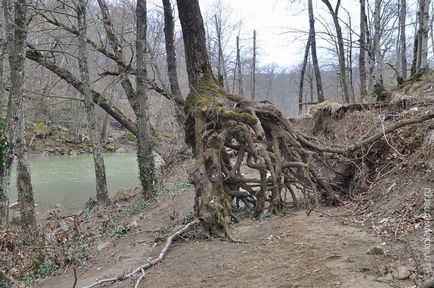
(100, 175)
(4, 197)
(172, 74)
(239, 69)
(254, 67)
(403, 38)
(302, 73)
(362, 52)
(376, 63)
(422, 35)
(144, 142)
(16, 63)
(315, 64)
(341, 49)
(116, 46)
(5, 172)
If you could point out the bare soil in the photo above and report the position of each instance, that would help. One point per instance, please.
(292, 250)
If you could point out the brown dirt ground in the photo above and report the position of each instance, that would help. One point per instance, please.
(294, 250)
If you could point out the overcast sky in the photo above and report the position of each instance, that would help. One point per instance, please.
(273, 21)
(277, 23)
(270, 18)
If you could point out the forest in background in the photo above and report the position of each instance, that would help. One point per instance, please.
(279, 85)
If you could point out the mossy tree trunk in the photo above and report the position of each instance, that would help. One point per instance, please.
(16, 63)
(8, 131)
(4, 197)
(211, 203)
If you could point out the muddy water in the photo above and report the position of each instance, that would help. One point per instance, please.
(70, 180)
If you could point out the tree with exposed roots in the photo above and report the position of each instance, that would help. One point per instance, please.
(228, 133)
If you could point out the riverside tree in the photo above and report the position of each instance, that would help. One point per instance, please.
(17, 59)
(100, 175)
(219, 123)
(228, 132)
(144, 142)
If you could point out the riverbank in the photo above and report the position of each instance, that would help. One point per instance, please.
(61, 140)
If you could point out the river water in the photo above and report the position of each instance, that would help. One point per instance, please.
(70, 180)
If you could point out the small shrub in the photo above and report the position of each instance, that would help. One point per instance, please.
(131, 137)
(41, 129)
(45, 268)
(63, 129)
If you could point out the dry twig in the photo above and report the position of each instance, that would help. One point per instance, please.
(148, 264)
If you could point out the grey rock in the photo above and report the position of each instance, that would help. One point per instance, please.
(402, 272)
(124, 194)
(375, 251)
(121, 150)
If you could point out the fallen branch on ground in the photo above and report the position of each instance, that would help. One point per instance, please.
(148, 264)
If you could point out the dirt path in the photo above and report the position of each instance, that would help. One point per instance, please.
(289, 251)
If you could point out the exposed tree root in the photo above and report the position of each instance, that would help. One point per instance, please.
(229, 133)
(148, 264)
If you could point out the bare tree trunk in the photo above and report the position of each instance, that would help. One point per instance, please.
(350, 58)
(221, 61)
(16, 63)
(254, 67)
(104, 128)
(302, 73)
(3, 97)
(239, 69)
(5, 172)
(138, 103)
(402, 38)
(218, 28)
(420, 48)
(432, 32)
(172, 74)
(310, 79)
(312, 34)
(270, 83)
(101, 182)
(4, 197)
(377, 75)
(144, 145)
(362, 52)
(341, 49)
(423, 34)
